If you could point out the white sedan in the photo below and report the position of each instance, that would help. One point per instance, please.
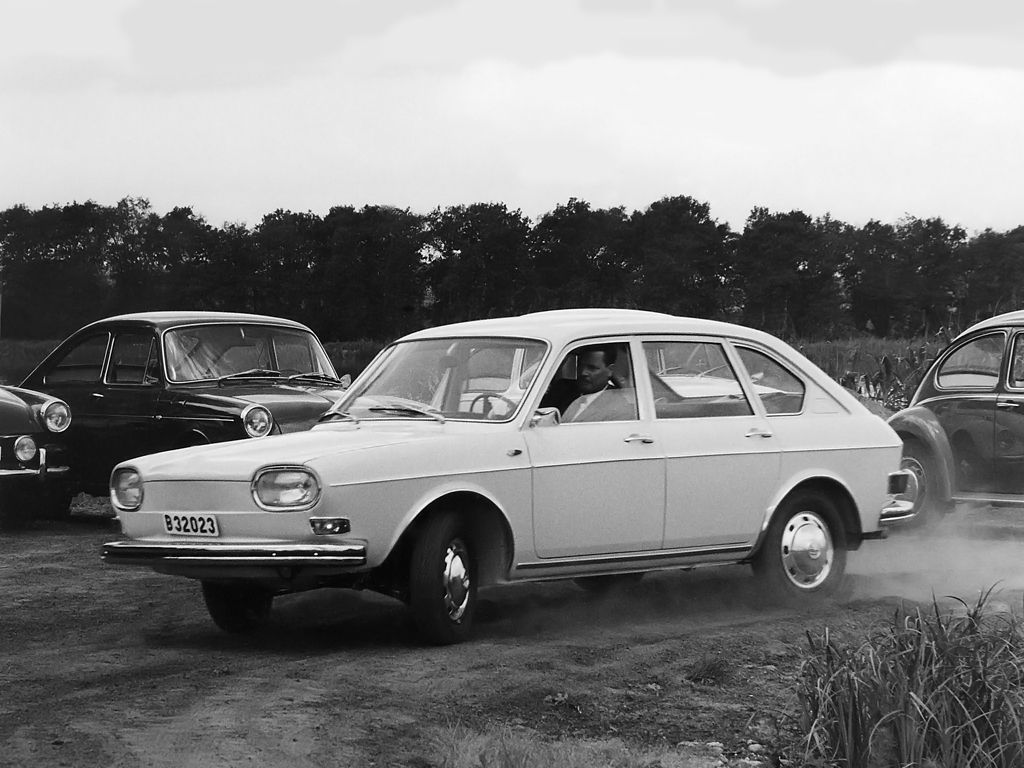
(592, 444)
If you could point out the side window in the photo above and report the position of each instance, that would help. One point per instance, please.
(81, 363)
(133, 359)
(975, 365)
(1017, 370)
(779, 389)
(594, 383)
(693, 379)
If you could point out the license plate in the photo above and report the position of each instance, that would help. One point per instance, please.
(191, 525)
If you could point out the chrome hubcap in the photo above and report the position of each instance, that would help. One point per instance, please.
(807, 550)
(456, 579)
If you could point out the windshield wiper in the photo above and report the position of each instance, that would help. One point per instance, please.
(252, 373)
(315, 376)
(335, 415)
(408, 409)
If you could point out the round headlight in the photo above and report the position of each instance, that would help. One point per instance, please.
(25, 448)
(56, 416)
(286, 488)
(257, 421)
(126, 489)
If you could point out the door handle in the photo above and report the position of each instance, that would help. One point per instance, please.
(1007, 404)
(98, 395)
(756, 432)
(635, 438)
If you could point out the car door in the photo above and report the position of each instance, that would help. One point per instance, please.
(967, 406)
(1008, 435)
(722, 455)
(598, 485)
(76, 377)
(132, 403)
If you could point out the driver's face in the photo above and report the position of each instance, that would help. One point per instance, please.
(592, 374)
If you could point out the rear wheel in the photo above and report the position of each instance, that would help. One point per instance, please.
(922, 486)
(237, 608)
(799, 558)
(442, 580)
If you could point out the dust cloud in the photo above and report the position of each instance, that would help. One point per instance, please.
(968, 553)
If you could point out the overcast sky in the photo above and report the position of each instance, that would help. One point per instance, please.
(862, 109)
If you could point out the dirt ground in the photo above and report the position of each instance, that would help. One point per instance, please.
(105, 666)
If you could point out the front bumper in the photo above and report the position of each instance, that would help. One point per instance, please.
(235, 555)
(43, 471)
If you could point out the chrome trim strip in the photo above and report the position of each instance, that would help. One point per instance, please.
(638, 557)
(135, 553)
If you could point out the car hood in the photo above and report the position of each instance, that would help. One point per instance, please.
(239, 459)
(295, 408)
(15, 415)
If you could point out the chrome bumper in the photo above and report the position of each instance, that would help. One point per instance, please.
(42, 471)
(237, 555)
(898, 509)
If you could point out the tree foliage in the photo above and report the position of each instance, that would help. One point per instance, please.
(378, 272)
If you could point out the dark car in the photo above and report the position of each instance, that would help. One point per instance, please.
(155, 381)
(963, 431)
(32, 457)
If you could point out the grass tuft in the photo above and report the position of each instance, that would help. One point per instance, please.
(936, 687)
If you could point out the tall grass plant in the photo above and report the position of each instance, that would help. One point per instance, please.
(936, 688)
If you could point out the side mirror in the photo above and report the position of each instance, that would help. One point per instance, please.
(346, 381)
(546, 417)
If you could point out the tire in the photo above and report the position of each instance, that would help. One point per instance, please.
(922, 487)
(55, 503)
(15, 509)
(608, 583)
(237, 608)
(442, 581)
(800, 558)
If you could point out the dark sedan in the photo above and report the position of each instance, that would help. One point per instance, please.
(32, 456)
(156, 381)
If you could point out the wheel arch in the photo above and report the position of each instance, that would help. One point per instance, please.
(921, 425)
(190, 437)
(490, 534)
(849, 537)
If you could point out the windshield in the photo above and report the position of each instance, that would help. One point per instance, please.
(473, 379)
(202, 352)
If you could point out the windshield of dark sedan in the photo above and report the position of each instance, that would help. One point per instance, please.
(200, 352)
(472, 379)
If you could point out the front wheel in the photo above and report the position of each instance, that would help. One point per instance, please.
(799, 558)
(237, 608)
(442, 581)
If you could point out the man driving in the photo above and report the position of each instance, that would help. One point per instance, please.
(599, 398)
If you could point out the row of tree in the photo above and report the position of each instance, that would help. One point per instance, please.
(378, 272)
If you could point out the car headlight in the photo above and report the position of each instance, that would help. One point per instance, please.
(257, 421)
(285, 488)
(56, 415)
(25, 448)
(126, 489)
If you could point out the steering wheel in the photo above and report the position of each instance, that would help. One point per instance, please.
(486, 397)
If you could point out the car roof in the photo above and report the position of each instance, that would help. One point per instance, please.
(1007, 318)
(171, 319)
(561, 326)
